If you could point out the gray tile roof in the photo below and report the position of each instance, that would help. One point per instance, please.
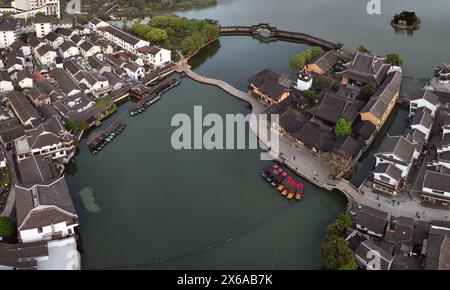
(363, 253)
(36, 170)
(44, 205)
(366, 68)
(379, 102)
(66, 45)
(398, 146)
(22, 107)
(22, 256)
(423, 117)
(437, 181)
(65, 82)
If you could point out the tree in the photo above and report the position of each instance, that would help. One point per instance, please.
(394, 59)
(74, 126)
(297, 62)
(343, 128)
(310, 94)
(156, 35)
(335, 87)
(340, 225)
(337, 255)
(367, 91)
(7, 227)
(82, 18)
(320, 83)
(105, 16)
(362, 48)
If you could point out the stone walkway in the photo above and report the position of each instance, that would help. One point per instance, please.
(298, 159)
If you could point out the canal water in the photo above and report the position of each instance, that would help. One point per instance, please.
(168, 209)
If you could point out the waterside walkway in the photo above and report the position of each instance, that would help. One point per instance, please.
(317, 171)
(297, 159)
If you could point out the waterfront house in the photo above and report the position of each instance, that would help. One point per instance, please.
(380, 105)
(425, 98)
(69, 49)
(304, 79)
(364, 255)
(23, 109)
(45, 212)
(6, 84)
(323, 63)
(423, 121)
(436, 188)
(372, 221)
(398, 151)
(87, 49)
(364, 69)
(49, 139)
(54, 39)
(265, 85)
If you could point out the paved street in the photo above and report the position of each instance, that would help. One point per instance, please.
(306, 164)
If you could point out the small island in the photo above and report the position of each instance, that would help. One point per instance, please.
(407, 20)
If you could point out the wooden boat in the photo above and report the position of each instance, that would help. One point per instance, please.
(290, 195)
(284, 193)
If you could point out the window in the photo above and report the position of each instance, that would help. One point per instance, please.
(40, 230)
(385, 179)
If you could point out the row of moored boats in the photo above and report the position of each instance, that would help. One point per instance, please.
(155, 95)
(104, 137)
(278, 178)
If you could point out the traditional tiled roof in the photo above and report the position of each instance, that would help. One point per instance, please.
(44, 205)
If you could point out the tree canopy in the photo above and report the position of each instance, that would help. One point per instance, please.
(364, 49)
(340, 225)
(337, 255)
(7, 227)
(178, 33)
(343, 128)
(410, 17)
(367, 91)
(394, 59)
(298, 61)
